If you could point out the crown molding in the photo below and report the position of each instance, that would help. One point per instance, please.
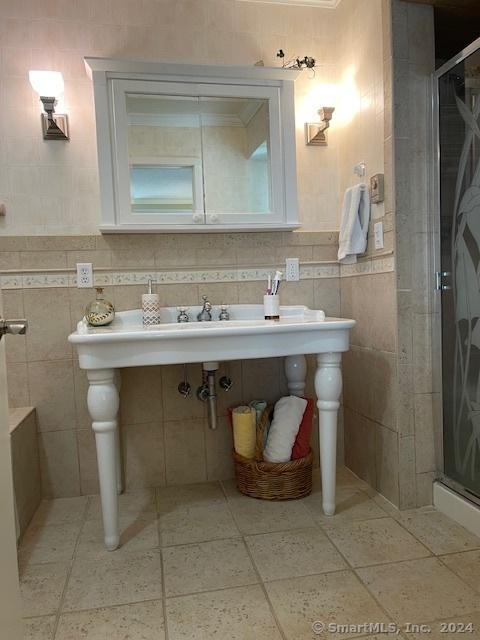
(320, 4)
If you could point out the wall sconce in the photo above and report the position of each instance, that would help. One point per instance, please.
(49, 86)
(315, 132)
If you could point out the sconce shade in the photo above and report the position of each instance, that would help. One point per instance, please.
(49, 86)
(47, 83)
(316, 132)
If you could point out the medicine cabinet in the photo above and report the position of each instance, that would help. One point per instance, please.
(194, 148)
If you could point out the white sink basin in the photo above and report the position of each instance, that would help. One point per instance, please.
(246, 335)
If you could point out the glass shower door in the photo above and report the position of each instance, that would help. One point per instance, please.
(459, 182)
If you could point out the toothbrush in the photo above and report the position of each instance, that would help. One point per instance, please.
(276, 282)
(269, 285)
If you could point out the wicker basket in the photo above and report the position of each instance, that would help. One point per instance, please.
(272, 480)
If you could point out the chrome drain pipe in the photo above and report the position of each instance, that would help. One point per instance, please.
(209, 371)
(212, 401)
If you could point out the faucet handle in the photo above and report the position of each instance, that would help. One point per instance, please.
(183, 314)
(224, 315)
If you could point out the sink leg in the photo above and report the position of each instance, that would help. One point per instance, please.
(296, 372)
(103, 404)
(118, 441)
(328, 386)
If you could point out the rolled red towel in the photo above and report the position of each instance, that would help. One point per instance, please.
(301, 446)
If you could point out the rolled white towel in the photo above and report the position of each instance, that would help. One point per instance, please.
(286, 422)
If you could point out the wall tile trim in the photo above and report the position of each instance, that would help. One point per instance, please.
(52, 278)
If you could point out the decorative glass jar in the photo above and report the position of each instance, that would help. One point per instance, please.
(99, 312)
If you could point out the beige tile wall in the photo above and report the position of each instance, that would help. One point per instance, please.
(25, 465)
(370, 368)
(392, 409)
(166, 439)
(413, 62)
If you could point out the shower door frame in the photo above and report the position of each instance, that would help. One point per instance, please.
(436, 267)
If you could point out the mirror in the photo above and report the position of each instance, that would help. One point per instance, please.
(198, 154)
(235, 135)
(165, 154)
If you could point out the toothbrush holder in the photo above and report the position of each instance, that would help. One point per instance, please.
(271, 307)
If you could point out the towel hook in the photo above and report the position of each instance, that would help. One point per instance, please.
(360, 169)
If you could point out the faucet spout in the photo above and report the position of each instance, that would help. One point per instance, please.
(205, 314)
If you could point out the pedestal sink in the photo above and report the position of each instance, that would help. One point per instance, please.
(127, 343)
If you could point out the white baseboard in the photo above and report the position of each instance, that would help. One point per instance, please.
(457, 507)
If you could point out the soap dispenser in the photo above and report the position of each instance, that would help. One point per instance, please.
(150, 307)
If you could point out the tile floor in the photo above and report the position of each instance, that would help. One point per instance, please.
(201, 561)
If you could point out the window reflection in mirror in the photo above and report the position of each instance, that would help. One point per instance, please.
(198, 154)
(156, 188)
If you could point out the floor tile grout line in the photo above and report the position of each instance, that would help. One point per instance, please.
(190, 594)
(454, 553)
(380, 564)
(352, 570)
(424, 544)
(265, 593)
(402, 524)
(102, 608)
(115, 606)
(69, 570)
(439, 558)
(259, 577)
(309, 575)
(348, 568)
(451, 618)
(326, 525)
(164, 596)
(402, 562)
(118, 604)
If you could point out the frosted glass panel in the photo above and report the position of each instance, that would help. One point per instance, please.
(459, 113)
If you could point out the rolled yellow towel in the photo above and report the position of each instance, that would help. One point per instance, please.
(244, 430)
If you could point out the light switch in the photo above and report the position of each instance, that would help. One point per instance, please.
(378, 233)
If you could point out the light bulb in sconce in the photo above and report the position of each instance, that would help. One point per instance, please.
(49, 86)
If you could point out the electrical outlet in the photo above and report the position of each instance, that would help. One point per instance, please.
(84, 275)
(292, 269)
(378, 232)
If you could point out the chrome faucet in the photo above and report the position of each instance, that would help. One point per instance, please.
(205, 314)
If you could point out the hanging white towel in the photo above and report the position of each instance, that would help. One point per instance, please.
(354, 223)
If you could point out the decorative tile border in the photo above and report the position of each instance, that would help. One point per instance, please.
(382, 264)
(105, 277)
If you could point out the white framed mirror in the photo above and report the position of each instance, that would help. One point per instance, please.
(180, 150)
